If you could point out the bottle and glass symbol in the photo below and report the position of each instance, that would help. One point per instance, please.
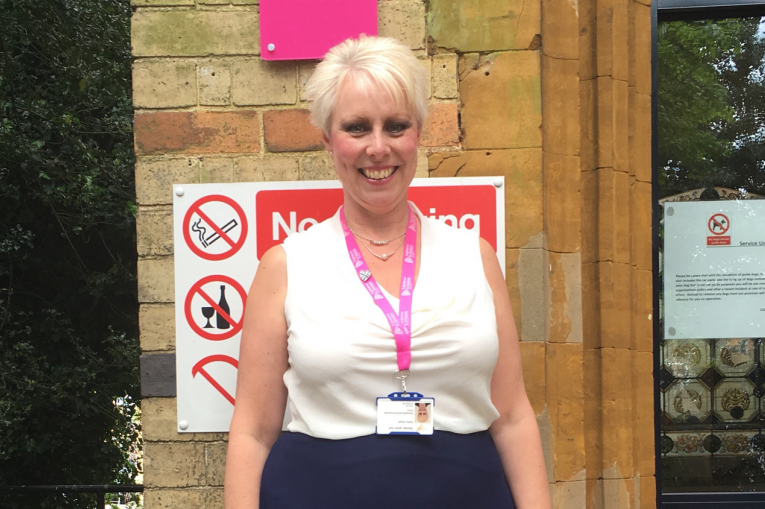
(209, 312)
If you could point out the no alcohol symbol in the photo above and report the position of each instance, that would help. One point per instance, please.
(214, 307)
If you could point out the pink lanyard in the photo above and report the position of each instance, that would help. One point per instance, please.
(400, 323)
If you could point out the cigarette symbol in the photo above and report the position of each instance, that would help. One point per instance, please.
(201, 231)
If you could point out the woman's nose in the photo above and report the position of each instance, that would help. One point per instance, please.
(378, 146)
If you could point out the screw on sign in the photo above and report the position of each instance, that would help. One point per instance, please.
(215, 227)
(199, 367)
(214, 307)
(718, 224)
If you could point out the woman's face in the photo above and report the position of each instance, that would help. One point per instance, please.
(374, 144)
(422, 412)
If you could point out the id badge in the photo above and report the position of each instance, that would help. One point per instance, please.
(405, 414)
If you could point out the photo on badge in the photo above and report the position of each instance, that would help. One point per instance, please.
(422, 413)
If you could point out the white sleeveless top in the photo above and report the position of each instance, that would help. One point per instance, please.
(342, 354)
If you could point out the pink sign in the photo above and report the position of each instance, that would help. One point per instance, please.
(306, 29)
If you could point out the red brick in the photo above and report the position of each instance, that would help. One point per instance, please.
(441, 128)
(290, 131)
(201, 132)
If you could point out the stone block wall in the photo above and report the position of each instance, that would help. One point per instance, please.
(554, 95)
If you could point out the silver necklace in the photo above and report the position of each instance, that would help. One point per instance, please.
(377, 242)
(384, 257)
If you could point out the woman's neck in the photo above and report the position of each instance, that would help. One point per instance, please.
(376, 225)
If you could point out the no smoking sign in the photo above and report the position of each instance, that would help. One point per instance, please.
(215, 227)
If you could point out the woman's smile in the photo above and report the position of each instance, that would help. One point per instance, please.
(378, 173)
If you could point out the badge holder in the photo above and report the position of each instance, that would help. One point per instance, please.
(405, 413)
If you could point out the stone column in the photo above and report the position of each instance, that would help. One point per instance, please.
(615, 88)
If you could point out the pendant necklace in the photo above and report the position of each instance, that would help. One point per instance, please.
(385, 256)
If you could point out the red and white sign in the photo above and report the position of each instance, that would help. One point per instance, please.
(214, 307)
(203, 366)
(215, 227)
(718, 224)
(222, 230)
(286, 211)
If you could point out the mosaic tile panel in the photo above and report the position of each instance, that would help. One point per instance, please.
(688, 401)
(734, 357)
(721, 443)
(712, 392)
(687, 358)
(735, 401)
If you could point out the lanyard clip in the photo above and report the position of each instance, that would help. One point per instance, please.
(401, 375)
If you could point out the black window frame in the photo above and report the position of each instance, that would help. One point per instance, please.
(685, 10)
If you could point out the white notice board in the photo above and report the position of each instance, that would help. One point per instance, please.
(714, 269)
(220, 233)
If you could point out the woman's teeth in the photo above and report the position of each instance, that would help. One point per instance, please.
(378, 174)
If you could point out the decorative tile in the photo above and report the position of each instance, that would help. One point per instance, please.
(736, 442)
(712, 443)
(734, 357)
(685, 443)
(719, 443)
(665, 378)
(667, 444)
(758, 443)
(757, 375)
(687, 358)
(688, 401)
(711, 377)
(735, 401)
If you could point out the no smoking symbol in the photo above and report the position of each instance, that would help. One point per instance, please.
(214, 307)
(718, 224)
(215, 227)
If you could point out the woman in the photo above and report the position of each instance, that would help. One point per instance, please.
(422, 413)
(341, 313)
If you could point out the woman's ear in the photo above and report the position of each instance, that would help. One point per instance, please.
(327, 142)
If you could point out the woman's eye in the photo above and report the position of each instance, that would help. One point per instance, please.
(356, 128)
(397, 128)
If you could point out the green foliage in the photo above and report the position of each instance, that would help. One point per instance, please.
(68, 312)
(710, 101)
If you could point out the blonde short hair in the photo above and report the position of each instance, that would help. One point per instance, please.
(380, 61)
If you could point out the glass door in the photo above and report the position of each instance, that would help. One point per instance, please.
(710, 185)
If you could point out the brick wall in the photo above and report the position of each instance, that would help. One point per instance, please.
(554, 95)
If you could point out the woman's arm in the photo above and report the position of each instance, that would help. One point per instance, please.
(515, 432)
(260, 392)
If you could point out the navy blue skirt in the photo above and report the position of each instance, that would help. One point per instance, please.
(444, 471)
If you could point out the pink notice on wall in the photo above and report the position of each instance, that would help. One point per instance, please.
(306, 29)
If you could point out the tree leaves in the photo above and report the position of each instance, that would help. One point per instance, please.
(710, 105)
(68, 311)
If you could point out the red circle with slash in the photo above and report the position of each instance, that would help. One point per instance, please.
(196, 208)
(236, 326)
(199, 367)
(718, 220)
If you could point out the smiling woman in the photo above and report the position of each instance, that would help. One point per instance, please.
(339, 330)
(373, 142)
